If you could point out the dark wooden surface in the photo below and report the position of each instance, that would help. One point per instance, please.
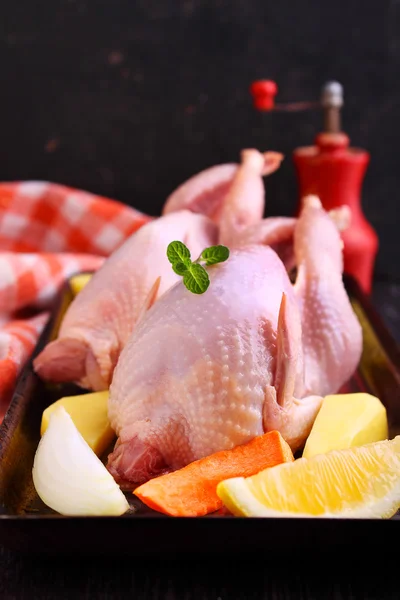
(319, 576)
(307, 578)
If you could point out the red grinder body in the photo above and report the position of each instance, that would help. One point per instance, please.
(335, 172)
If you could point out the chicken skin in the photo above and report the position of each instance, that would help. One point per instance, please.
(203, 373)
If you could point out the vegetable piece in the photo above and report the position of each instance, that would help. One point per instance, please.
(69, 477)
(347, 420)
(89, 414)
(195, 277)
(78, 282)
(191, 491)
(359, 482)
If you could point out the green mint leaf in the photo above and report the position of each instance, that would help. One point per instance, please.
(180, 268)
(196, 279)
(178, 253)
(215, 254)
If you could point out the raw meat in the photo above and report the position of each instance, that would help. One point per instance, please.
(103, 315)
(202, 373)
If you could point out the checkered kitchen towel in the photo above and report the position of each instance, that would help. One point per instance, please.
(47, 233)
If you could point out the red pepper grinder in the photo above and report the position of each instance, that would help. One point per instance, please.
(333, 171)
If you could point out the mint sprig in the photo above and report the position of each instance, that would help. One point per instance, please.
(195, 277)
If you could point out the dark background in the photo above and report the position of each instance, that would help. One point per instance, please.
(128, 98)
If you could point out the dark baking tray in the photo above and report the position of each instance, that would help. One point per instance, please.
(26, 524)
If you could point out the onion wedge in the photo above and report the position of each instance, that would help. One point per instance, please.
(69, 477)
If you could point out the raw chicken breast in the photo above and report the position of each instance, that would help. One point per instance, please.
(202, 373)
(101, 318)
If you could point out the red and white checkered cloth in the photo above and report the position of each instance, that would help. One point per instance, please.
(48, 232)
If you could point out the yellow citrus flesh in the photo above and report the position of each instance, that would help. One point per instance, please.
(359, 482)
(78, 282)
(347, 420)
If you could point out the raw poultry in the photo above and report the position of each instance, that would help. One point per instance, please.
(205, 192)
(193, 374)
(100, 320)
(253, 354)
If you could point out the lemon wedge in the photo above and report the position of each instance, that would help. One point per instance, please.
(69, 477)
(359, 482)
(90, 417)
(78, 282)
(346, 420)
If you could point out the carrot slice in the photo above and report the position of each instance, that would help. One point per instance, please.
(191, 491)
